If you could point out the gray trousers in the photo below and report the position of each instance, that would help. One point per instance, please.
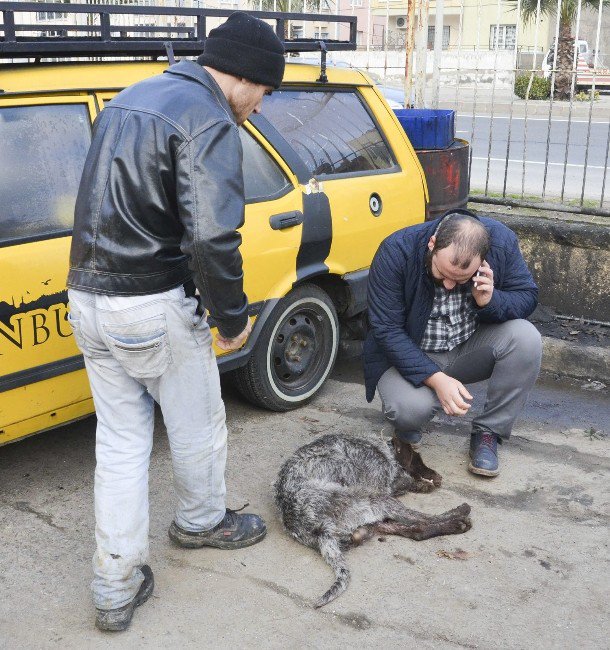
(507, 354)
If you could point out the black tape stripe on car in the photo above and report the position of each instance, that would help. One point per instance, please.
(317, 234)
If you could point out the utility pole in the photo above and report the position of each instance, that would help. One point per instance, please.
(438, 51)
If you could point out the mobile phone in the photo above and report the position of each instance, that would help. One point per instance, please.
(477, 275)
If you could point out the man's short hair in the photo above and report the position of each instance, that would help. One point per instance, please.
(466, 233)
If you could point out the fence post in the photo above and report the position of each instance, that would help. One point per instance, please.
(409, 46)
(422, 52)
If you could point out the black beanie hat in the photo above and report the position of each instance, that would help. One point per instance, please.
(245, 46)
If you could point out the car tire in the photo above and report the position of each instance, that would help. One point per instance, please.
(295, 352)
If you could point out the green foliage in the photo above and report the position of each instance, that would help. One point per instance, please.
(585, 96)
(567, 8)
(541, 87)
(295, 6)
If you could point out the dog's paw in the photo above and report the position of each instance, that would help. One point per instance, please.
(423, 486)
(436, 479)
(466, 524)
(459, 525)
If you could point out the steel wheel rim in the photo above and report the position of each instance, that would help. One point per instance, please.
(297, 351)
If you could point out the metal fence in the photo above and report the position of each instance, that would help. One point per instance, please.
(467, 55)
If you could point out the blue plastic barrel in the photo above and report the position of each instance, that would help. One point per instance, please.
(427, 128)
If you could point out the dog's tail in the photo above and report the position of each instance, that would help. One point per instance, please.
(331, 551)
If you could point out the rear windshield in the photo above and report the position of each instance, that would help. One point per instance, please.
(42, 156)
(331, 130)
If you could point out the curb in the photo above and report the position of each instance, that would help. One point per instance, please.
(559, 357)
(573, 360)
(503, 109)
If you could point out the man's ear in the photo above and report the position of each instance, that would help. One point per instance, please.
(431, 243)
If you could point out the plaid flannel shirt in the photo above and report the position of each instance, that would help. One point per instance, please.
(452, 320)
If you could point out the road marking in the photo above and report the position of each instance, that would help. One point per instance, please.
(536, 162)
(533, 119)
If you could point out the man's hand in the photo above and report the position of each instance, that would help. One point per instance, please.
(228, 345)
(483, 284)
(450, 393)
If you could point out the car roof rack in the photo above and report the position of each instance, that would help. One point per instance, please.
(99, 37)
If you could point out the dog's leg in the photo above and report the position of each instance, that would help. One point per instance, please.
(412, 462)
(389, 508)
(424, 529)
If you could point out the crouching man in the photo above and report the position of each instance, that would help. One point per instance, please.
(447, 301)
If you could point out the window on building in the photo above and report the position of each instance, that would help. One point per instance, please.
(356, 3)
(44, 150)
(50, 15)
(321, 34)
(505, 38)
(331, 131)
(446, 33)
(296, 31)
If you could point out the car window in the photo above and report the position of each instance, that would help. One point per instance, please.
(330, 130)
(263, 179)
(41, 160)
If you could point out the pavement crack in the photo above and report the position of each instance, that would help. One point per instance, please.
(24, 506)
(350, 619)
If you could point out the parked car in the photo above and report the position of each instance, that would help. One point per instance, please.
(588, 68)
(329, 173)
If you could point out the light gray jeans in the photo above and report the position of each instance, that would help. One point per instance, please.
(508, 354)
(139, 350)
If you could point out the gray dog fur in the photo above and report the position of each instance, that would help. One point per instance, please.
(339, 490)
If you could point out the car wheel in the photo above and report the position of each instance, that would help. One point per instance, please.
(295, 351)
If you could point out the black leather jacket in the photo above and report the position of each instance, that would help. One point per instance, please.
(162, 195)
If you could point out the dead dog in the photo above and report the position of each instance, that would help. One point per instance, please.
(339, 490)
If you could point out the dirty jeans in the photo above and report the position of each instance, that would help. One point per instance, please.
(139, 350)
(508, 354)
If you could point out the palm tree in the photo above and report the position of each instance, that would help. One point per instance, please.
(295, 6)
(565, 43)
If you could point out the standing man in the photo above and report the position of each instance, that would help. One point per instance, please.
(157, 213)
(447, 302)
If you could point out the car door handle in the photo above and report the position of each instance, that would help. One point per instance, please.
(286, 220)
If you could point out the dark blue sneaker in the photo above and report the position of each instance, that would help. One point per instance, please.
(412, 437)
(484, 453)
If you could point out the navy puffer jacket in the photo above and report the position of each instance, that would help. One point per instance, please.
(400, 296)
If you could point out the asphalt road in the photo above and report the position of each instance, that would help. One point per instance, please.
(586, 149)
(533, 569)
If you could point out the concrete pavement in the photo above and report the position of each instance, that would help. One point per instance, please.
(532, 571)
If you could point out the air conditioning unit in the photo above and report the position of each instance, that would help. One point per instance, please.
(401, 22)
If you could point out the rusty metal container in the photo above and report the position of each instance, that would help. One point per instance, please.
(447, 177)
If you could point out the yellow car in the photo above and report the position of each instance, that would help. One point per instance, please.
(329, 173)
